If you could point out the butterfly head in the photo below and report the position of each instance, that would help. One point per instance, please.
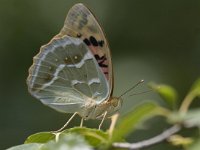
(115, 104)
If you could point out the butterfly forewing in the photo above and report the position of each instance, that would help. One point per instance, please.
(81, 23)
(65, 75)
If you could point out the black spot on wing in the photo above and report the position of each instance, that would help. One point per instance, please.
(101, 60)
(97, 57)
(87, 42)
(93, 41)
(101, 43)
(102, 65)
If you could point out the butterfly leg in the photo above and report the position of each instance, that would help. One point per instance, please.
(113, 122)
(81, 125)
(104, 116)
(65, 125)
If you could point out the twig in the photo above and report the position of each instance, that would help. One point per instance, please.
(157, 139)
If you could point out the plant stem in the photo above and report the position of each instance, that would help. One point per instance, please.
(157, 139)
(186, 102)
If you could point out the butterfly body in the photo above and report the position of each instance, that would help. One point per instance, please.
(96, 111)
(73, 72)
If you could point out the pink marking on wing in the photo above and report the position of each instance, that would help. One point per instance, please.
(93, 49)
(105, 70)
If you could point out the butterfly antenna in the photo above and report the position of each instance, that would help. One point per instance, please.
(141, 92)
(141, 81)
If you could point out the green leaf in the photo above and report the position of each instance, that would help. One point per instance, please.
(32, 146)
(196, 87)
(94, 137)
(132, 119)
(67, 142)
(190, 97)
(196, 84)
(41, 137)
(195, 145)
(167, 92)
(179, 140)
(191, 118)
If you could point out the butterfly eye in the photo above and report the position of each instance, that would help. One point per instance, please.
(115, 103)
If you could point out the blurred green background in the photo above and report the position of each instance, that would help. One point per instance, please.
(151, 40)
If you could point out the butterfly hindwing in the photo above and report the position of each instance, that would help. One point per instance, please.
(65, 75)
(81, 23)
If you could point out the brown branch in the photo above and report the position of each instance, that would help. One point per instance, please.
(157, 139)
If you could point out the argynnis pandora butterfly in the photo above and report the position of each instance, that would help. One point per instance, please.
(73, 72)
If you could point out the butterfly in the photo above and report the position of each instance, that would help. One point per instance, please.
(73, 72)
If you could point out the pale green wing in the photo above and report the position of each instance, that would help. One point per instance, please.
(66, 76)
(81, 23)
